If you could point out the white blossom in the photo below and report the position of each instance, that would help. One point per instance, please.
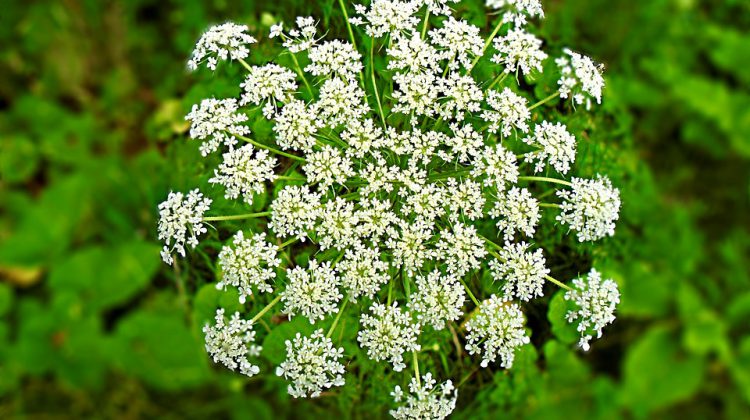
(496, 330)
(392, 17)
(388, 333)
(461, 248)
(415, 93)
(248, 263)
(294, 211)
(296, 126)
(268, 83)
(556, 147)
(461, 94)
(363, 272)
(522, 272)
(245, 171)
(335, 58)
(425, 400)
(408, 245)
(580, 78)
(509, 111)
(312, 293)
(516, 11)
(414, 55)
(519, 50)
(221, 42)
(312, 365)
(232, 343)
(181, 221)
(375, 217)
(300, 38)
(466, 144)
(438, 299)
(517, 211)
(590, 208)
(595, 301)
(458, 41)
(498, 166)
(465, 199)
(363, 136)
(327, 167)
(215, 122)
(340, 102)
(337, 224)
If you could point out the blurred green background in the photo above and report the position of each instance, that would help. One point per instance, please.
(92, 99)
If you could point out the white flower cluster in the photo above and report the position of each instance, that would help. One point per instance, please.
(496, 330)
(595, 302)
(232, 343)
(407, 176)
(388, 333)
(181, 221)
(312, 365)
(425, 400)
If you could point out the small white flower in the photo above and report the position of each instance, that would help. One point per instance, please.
(327, 167)
(465, 143)
(181, 221)
(312, 365)
(388, 333)
(516, 11)
(216, 121)
(363, 272)
(519, 50)
(462, 249)
(340, 102)
(245, 171)
(408, 246)
(231, 343)
(312, 293)
(461, 94)
(595, 302)
(302, 37)
(375, 217)
(590, 208)
(335, 58)
(414, 55)
(276, 30)
(392, 17)
(268, 83)
(438, 299)
(458, 41)
(337, 224)
(415, 93)
(556, 145)
(522, 273)
(496, 330)
(247, 263)
(517, 211)
(580, 78)
(294, 211)
(509, 111)
(438, 7)
(465, 199)
(221, 42)
(498, 166)
(363, 136)
(296, 126)
(425, 400)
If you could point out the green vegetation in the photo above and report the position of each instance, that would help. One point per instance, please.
(93, 136)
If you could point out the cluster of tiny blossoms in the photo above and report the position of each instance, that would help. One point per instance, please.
(410, 175)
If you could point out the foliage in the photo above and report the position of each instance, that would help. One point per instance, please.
(94, 91)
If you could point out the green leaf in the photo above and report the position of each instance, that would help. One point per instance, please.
(274, 347)
(563, 330)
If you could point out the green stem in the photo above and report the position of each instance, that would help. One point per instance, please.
(244, 63)
(545, 100)
(499, 79)
(553, 205)
(374, 83)
(287, 243)
(545, 179)
(302, 75)
(416, 369)
(558, 282)
(266, 309)
(486, 45)
(424, 25)
(338, 316)
(351, 36)
(269, 148)
(237, 216)
(290, 178)
(468, 291)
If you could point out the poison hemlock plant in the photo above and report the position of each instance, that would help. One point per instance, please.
(416, 178)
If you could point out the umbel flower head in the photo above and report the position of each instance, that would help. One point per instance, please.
(388, 177)
(231, 343)
(595, 301)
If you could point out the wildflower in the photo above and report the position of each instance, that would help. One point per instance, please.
(439, 7)
(595, 302)
(375, 217)
(181, 221)
(425, 400)
(580, 78)
(221, 42)
(335, 58)
(363, 136)
(247, 263)
(414, 55)
(415, 93)
(521, 272)
(516, 11)
(393, 17)
(232, 343)
(465, 143)
(340, 102)
(388, 333)
(509, 111)
(312, 365)
(216, 121)
(327, 167)
(294, 211)
(408, 246)
(245, 171)
(498, 166)
(516, 211)
(337, 224)
(276, 30)
(465, 199)
(496, 330)
(302, 37)
(590, 208)
(458, 41)
(556, 146)
(519, 50)
(461, 94)
(268, 83)
(363, 272)
(296, 126)
(438, 299)
(313, 293)
(462, 249)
